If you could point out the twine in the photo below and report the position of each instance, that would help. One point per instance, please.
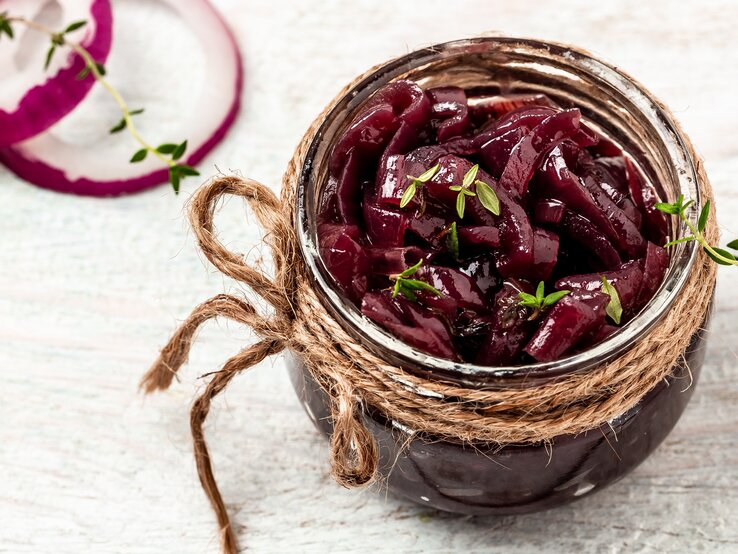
(353, 377)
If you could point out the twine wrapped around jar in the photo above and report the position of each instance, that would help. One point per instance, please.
(353, 377)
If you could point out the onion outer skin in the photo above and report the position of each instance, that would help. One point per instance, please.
(62, 91)
(26, 164)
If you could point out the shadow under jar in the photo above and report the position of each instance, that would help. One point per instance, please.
(487, 478)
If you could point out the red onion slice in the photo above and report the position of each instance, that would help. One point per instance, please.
(50, 162)
(32, 99)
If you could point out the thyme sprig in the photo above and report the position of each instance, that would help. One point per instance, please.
(484, 191)
(680, 209)
(416, 183)
(486, 194)
(168, 153)
(408, 287)
(464, 190)
(541, 300)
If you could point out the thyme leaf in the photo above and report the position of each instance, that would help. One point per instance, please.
(487, 197)
(614, 308)
(453, 241)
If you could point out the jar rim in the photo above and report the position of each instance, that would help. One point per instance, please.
(394, 350)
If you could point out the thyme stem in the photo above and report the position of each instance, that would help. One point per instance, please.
(168, 154)
(699, 237)
(91, 64)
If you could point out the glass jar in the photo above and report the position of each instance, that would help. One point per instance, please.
(487, 478)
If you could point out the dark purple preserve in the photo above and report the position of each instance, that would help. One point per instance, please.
(496, 230)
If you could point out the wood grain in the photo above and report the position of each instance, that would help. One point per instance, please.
(90, 289)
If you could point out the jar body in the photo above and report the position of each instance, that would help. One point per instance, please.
(484, 479)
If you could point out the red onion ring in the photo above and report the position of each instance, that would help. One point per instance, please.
(33, 99)
(49, 162)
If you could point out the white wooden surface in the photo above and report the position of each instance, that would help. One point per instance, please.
(90, 289)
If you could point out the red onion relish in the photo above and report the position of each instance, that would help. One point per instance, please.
(442, 266)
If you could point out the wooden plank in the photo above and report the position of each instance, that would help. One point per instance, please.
(89, 289)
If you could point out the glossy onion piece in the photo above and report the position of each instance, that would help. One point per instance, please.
(442, 305)
(482, 271)
(548, 212)
(348, 189)
(524, 118)
(654, 268)
(560, 183)
(469, 330)
(483, 108)
(409, 102)
(585, 136)
(384, 226)
(425, 319)
(451, 172)
(603, 333)
(596, 176)
(646, 199)
(515, 231)
(607, 148)
(424, 340)
(580, 230)
(529, 152)
(392, 175)
(449, 105)
(510, 327)
(615, 167)
(545, 254)
(480, 235)
(454, 284)
(368, 133)
(391, 261)
(569, 321)
(633, 243)
(461, 146)
(495, 153)
(404, 140)
(431, 225)
(379, 307)
(395, 316)
(424, 158)
(573, 155)
(345, 258)
(516, 254)
(391, 181)
(626, 280)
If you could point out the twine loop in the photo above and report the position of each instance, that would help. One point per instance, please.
(353, 450)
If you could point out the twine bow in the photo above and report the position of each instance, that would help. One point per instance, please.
(353, 449)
